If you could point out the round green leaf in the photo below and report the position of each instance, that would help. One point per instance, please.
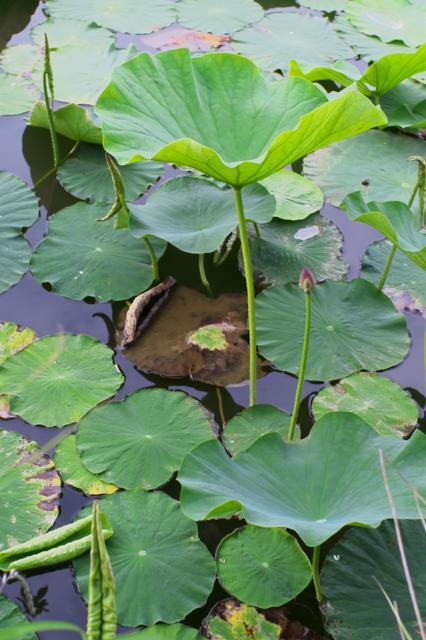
(346, 336)
(219, 16)
(405, 284)
(405, 105)
(165, 632)
(82, 256)
(142, 440)
(285, 248)
(86, 176)
(252, 423)
(383, 404)
(74, 372)
(324, 5)
(73, 472)
(282, 37)
(195, 215)
(11, 615)
(296, 196)
(389, 19)
(19, 59)
(198, 129)
(29, 490)
(375, 163)
(262, 567)
(18, 209)
(71, 32)
(162, 571)
(356, 570)
(16, 94)
(299, 486)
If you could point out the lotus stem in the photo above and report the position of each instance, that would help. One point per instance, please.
(421, 185)
(256, 227)
(245, 249)
(48, 87)
(316, 572)
(154, 261)
(203, 276)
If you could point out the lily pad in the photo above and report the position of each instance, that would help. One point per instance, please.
(285, 248)
(219, 16)
(71, 121)
(19, 59)
(364, 560)
(232, 620)
(165, 632)
(405, 284)
(73, 472)
(282, 37)
(262, 567)
(252, 423)
(345, 336)
(16, 94)
(29, 490)
(375, 163)
(74, 372)
(11, 615)
(196, 215)
(84, 257)
(324, 5)
(86, 176)
(382, 403)
(145, 123)
(142, 440)
(162, 571)
(71, 32)
(170, 347)
(405, 105)
(296, 196)
(18, 209)
(265, 485)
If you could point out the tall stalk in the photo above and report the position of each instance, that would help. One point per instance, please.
(316, 572)
(245, 249)
(203, 276)
(49, 101)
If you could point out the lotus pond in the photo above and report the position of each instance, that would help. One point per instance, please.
(212, 320)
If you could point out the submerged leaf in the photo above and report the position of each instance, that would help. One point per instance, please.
(232, 620)
(71, 121)
(252, 423)
(219, 16)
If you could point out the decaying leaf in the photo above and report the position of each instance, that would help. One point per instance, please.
(192, 336)
(177, 36)
(232, 620)
(12, 339)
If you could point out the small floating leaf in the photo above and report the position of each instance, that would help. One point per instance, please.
(252, 423)
(16, 94)
(71, 121)
(232, 620)
(219, 16)
(296, 196)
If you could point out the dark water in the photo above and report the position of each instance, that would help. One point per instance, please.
(26, 153)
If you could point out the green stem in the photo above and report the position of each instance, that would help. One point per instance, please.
(203, 276)
(316, 572)
(154, 261)
(302, 368)
(245, 249)
(48, 84)
(256, 227)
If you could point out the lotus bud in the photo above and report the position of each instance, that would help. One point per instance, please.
(306, 280)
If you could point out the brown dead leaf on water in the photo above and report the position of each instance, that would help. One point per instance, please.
(178, 36)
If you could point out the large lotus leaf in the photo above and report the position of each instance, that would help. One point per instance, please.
(394, 220)
(71, 121)
(16, 94)
(130, 16)
(282, 37)
(324, 5)
(74, 372)
(86, 176)
(162, 571)
(262, 567)
(195, 215)
(219, 16)
(375, 163)
(82, 256)
(296, 197)
(18, 209)
(405, 105)
(355, 569)
(19, 59)
(11, 615)
(405, 284)
(246, 427)
(278, 120)
(346, 336)
(165, 632)
(142, 440)
(232, 620)
(29, 490)
(314, 486)
(382, 403)
(389, 19)
(285, 248)
(71, 33)
(73, 472)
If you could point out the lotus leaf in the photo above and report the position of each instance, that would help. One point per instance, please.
(246, 427)
(218, 17)
(281, 484)
(405, 105)
(281, 37)
(71, 32)
(18, 59)
(139, 119)
(262, 567)
(162, 571)
(383, 404)
(375, 163)
(29, 490)
(142, 440)
(363, 561)
(285, 248)
(375, 337)
(179, 36)
(73, 472)
(74, 372)
(71, 121)
(324, 5)
(84, 257)
(11, 615)
(405, 284)
(296, 197)
(232, 620)
(195, 215)
(165, 632)
(16, 94)
(86, 176)
(13, 339)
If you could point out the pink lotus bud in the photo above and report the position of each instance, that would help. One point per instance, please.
(306, 281)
